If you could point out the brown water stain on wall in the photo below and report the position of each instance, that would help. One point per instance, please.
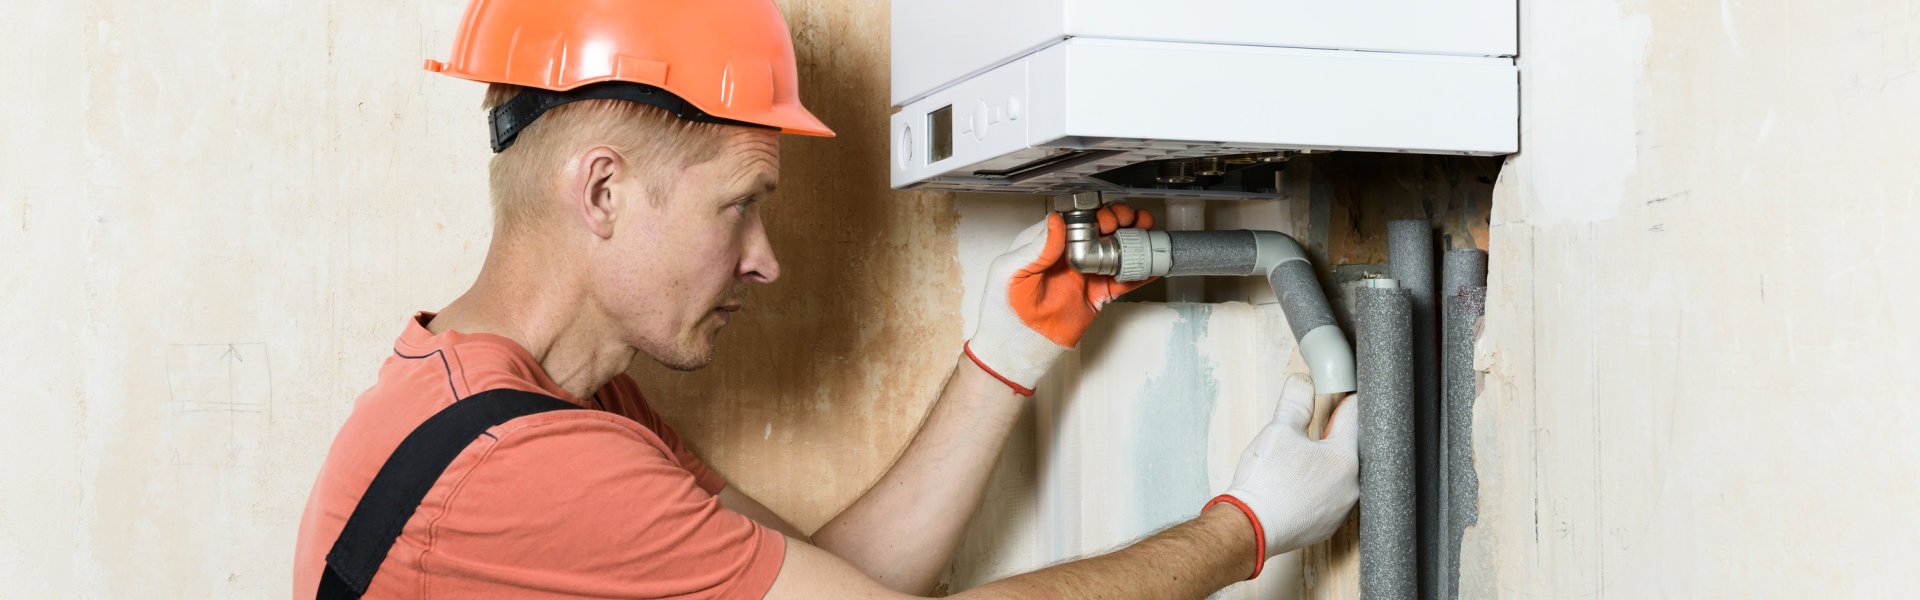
(1369, 189)
(826, 375)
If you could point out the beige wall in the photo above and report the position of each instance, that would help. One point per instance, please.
(1701, 344)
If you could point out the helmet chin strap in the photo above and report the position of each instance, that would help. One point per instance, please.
(507, 119)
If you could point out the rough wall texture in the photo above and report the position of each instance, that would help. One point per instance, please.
(1699, 347)
(819, 387)
(214, 216)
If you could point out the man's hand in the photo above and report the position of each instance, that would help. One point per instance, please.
(1037, 306)
(1297, 490)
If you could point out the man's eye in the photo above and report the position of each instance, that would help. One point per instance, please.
(740, 208)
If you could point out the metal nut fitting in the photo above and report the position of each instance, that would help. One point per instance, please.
(1135, 255)
(1083, 200)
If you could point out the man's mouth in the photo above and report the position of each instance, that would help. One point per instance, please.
(725, 311)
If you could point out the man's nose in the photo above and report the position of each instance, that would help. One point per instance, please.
(759, 264)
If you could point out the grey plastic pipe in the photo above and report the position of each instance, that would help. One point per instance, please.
(1463, 276)
(1410, 259)
(1463, 485)
(1136, 254)
(1388, 533)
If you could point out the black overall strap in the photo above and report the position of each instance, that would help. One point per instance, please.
(407, 476)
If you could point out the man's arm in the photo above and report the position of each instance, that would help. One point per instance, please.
(905, 529)
(1289, 490)
(1190, 560)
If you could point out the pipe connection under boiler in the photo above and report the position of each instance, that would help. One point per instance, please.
(1137, 254)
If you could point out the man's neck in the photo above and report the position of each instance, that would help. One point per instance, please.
(540, 308)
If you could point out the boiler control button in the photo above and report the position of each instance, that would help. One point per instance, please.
(905, 150)
(1013, 108)
(980, 114)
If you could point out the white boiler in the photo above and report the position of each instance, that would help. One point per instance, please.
(1192, 99)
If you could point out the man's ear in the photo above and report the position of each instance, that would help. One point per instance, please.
(594, 195)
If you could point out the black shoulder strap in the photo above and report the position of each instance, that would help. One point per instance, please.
(407, 476)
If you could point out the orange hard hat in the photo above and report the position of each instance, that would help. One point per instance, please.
(725, 61)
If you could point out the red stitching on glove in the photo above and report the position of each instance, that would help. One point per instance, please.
(1017, 388)
(1259, 534)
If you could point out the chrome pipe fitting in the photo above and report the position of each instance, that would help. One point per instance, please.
(1087, 251)
(1127, 255)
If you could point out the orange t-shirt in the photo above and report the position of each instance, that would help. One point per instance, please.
(602, 503)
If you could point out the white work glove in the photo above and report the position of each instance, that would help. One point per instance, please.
(1297, 490)
(1037, 306)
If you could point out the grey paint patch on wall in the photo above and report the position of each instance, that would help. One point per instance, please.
(1171, 432)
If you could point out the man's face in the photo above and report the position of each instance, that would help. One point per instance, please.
(682, 263)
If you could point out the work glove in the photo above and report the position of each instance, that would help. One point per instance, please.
(1295, 489)
(1036, 306)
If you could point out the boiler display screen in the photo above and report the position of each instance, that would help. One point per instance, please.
(940, 134)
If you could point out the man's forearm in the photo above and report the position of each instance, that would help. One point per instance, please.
(904, 530)
(1190, 560)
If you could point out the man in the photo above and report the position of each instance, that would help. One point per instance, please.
(634, 142)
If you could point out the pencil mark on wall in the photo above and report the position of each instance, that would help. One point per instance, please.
(219, 402)
(1669, 197)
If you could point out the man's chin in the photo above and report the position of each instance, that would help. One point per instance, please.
(691, 354)
(689, 366)
(688, 358)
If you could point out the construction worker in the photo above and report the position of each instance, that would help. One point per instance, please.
(504, 453)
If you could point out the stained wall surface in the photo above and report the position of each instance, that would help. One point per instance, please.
(1698, 362)
(815, 391)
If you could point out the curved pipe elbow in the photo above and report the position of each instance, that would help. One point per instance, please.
(1080, 254)
(1132, 255)
(1329, 360)
(1323, 346)
(1087, 252)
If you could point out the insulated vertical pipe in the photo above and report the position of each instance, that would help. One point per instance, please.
(1463, 485)
(1463, 279)
(1461, 268)
(1387, 526)
(1411, 261)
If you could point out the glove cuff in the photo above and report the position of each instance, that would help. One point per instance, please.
(1259, 533)
(1012, 352)
(1017, 388)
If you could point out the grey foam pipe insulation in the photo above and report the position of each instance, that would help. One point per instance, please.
(1462, 268)
(1411, 262)
(1388, 536)
(1463, 485)
(1137, 254)
(1463, 301)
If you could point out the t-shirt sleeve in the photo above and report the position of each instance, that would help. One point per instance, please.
(588, 507)
(622, 396)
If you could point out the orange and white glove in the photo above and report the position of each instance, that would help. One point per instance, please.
(1037, 306)
(1297, 490)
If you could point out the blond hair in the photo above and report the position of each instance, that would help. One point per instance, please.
(524, 178)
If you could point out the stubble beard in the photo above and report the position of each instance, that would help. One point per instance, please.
(693, 355)
(696, 352)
